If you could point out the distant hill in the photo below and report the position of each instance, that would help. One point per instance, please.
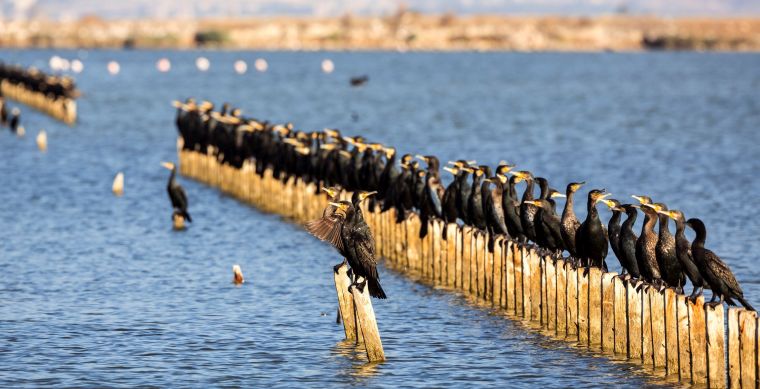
(171, 9)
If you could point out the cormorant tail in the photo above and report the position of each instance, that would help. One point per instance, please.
(740, 298)
(423, 228)
(375, 290)
(187, 216)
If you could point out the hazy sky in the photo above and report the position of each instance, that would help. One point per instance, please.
(73, 9)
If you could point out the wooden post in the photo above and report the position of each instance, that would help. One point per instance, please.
(671, 332)
(451, 254)
(684, 346)
(646, 328)
(466, 257)
(608, 312)
(657, 317)
(748, 347)
(488, 268)
(561, 302)
(518, 270)
(527, 274)
(535, 285)
(734, 359)
(583, 307)
(438, 248)
(551, 294)
(572, 302)
(366, 318)
(621, 316)
(480, 264)
(459, 258)
(509, 277)
(346, 303)
(634, 322)
(716, 352)
(497, 285)
(697, 335)
(595, 307)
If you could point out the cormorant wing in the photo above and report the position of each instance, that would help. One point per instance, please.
(435, 200)
(722, 271)
(328, 229)
(181, 197)
(364, 248)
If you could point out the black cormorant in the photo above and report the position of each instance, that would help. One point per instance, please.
(177, 193)
(670, 267)
(569, 223)
(713, 269)
(646, 247)
(591, 241)
(627, 242)
(683, 252)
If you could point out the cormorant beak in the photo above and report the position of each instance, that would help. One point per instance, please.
(609, 203)
(168, 165)
(472, 162)
(450, 170)
(557, 194)
(177, 104)
(666, 213)
(364, 195)
(421, 157)
(327, 146)
(636, 206)
(330, 191)
(602, 197)
(303, 150)
(331, 133)
(531, 202)
(656, 207)
(641, 199)
(349, 140)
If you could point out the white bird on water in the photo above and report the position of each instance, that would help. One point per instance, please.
(118, 184)
(42, 141)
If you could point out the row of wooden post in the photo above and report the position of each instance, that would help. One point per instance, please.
(691, 342)
(62, 108)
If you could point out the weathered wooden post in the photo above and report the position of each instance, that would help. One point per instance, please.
(671, 332)
(518, 277)
(572, 302)
(480, 265)
(509, 279)
(716, 351)
(466, 257)
(595, 307)
(451, 254)
(734, 359)
(748, 347)
(621, 315)
(634, 322)
(561, 297)
(583, 306)
(346, 304)
(684, 345)
(488, 269)
(366, 318)
(657, 317)
(526, 273)
(646, 328)
(497, 285)
(551, 294)
(535, 285)
(697, 335)
(608, 312)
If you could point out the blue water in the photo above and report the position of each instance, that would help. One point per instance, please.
(99, 291)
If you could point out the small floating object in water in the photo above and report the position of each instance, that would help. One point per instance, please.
(202, 63)
(55, 62)
(261, 65)
(178, 221)
(42, 141)
(118, 184)
(114, 68)
(77, 66)
(65, 64)
(359, 81)
(240, 66)
(237, 275)
(20, 131)
(328, 66)
(163, 65)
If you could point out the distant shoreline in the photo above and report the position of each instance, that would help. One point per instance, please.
(404, 31)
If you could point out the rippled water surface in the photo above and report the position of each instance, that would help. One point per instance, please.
(98, 290)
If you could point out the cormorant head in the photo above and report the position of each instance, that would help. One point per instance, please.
(698, 226)
(504, 168)
(389, 152)
(574, 186)
(332, 133)
(236, 112)
(555, 193)
(15, 111)
(643, 199)
(673, 214)
(332, 191)
(522, 175)
(541, 203)
(485, 169)
(597, 195)
(237, 275)
(649, 209)
(364, 195)
(206, 106)
(614, 205)
(478, 171)
(406, 158)
(421, 173)
(168, 165)
(453, 170)
(376, 146)
(342, 207)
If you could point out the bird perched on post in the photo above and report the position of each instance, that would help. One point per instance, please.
(347, 231)
(178, 198)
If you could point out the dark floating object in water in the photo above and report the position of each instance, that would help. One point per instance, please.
(359, 81)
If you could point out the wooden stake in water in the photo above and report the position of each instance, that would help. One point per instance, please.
(366, 318)
(346, 303)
